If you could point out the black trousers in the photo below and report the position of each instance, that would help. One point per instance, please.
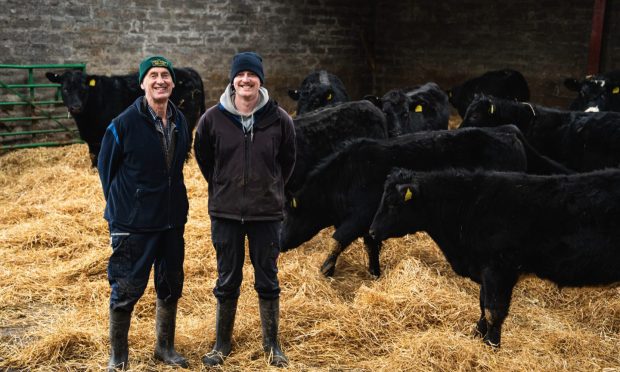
(133, 255)
(228, 238)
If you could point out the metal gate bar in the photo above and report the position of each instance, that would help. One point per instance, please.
(33, 108)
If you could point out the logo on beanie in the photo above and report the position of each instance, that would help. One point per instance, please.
(159, 63)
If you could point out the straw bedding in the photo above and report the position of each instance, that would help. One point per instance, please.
(418, 316)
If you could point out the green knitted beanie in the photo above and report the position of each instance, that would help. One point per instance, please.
(155, 61)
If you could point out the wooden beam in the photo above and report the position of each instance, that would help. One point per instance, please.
(598, 21)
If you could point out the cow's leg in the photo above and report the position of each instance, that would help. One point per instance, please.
(329, 266)
(497, 286)
(373, 248)
(345, 234)
(93, 153)
(481, 326)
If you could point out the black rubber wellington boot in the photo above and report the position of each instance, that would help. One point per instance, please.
(269, 316)
(165, 323)
(119, 348)
(224, 323)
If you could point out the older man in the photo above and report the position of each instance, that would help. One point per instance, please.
(141, 170)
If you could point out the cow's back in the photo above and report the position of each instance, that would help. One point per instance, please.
(565, 228)
(322, 132)
(506, 83)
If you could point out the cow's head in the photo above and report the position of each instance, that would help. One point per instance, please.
(315, 97)
(396, 214)
(302, 221)
(424, 110)
(318, 89)
(592, 93)
(482, 112)
(74, 88)
(396, 107)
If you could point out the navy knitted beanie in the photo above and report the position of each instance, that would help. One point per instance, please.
(247, 61)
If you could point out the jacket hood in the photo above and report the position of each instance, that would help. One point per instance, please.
(226, 99)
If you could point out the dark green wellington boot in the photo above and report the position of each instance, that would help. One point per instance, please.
(224, 323)
(165, 323)
(119, 348)
(269, 316)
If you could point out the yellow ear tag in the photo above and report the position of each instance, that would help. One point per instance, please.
(492, 109)
(616, 90)
(418, 108)
(329, 97)
(92, 82)
(408, 194)
(294, 203)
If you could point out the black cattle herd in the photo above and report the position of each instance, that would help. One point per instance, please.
(517, 188)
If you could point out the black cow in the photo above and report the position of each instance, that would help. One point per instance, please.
(345, 189)
(319, 89)
(494, 227)
(580, 140)
(321, 132)
(506, 83)
(424, 107)
(94, 100)
(596, 92)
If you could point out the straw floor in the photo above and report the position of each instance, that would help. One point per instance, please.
(419, 316)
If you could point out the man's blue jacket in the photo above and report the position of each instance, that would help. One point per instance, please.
(141, 193)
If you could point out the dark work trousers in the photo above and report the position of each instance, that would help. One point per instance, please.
(133, 255)
(228, 238)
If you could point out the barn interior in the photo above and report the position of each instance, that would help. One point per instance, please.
(418, 316)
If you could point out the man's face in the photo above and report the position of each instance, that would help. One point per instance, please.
(157, 84)
(246, 84)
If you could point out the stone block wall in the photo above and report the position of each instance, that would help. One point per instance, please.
(373, 45)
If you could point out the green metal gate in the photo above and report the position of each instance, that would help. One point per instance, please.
(32, 113)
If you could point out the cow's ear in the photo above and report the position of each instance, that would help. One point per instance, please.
(54, 78)
(373, 99)
(294, 94)
(406, 192)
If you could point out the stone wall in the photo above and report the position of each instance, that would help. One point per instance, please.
(112, 36)
(450, 41)
(372, 45)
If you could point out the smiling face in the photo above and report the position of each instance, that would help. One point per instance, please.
(157, 85)
(246, 84)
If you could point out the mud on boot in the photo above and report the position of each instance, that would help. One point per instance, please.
(165, 324)
(224, 323)
(119, 348)
(269, 316)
